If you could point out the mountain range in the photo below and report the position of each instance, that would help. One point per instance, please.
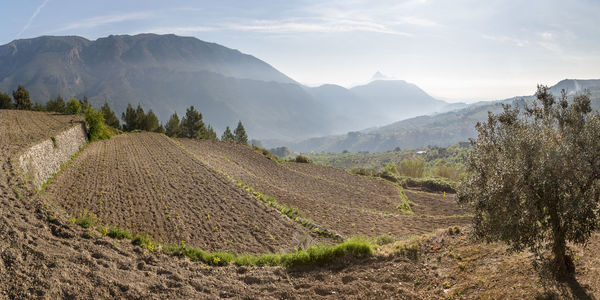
(168, 73)
(440, 129)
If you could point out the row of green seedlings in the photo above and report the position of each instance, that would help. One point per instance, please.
(319, 255)
(291, 213)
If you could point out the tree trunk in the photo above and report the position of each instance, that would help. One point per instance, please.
(563, 265)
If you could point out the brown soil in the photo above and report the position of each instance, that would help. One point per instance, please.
(145, 183)
(347, 204)
(52, 260)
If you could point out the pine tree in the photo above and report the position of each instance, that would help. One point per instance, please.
(210, 133)
(109, 116)
(140, 118)
(38, 107)
(51, 105)
(227, 135)
(5, 101)
(85, 104)
(192, 126)
(22, 100)
(240, 134)
(150, 122)
(129, 118)
(61, 106)
(172, 128)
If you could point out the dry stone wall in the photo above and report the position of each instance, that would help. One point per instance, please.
(43, 160)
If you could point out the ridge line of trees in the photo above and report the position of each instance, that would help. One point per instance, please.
(190, 126)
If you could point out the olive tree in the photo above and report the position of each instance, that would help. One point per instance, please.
(533, 177)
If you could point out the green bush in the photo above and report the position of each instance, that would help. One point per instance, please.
(95, 122)
(73, 107)
(430, 184)
(302, 159)
(412, 168)
(363, 171)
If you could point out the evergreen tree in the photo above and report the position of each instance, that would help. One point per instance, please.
(191, 125)
(150, 122)
(140, 118)
(160, 129)
(210, 133)
(129, 118)
(22, 100)
(73, 107)
(227, 135)
(5, 101)
(60, 105)
(172, 128)
(85, 104)
(51, 105)
(109, 116)
(240, 134)
(38, 107)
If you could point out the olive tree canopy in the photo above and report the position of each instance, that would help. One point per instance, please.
(534, 174)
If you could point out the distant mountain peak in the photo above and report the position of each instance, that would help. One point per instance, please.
(380, 76)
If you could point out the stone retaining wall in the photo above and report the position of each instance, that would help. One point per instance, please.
(43, 160)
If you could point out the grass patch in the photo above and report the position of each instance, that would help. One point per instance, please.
(314, 256)
(118, 233)
(143, 240)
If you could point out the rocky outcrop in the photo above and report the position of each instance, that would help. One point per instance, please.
(40, 162)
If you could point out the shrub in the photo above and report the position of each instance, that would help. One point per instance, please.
(412, 168)
(302, 159)
(446, 172)
(363, 171)
(73, 107)
(430, 184)
(97, 130)
(87, 219)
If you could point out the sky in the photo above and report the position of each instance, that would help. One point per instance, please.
(459, 50)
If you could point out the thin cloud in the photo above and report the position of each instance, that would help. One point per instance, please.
(182, 30)
(105, 20)
(318, 26)
(35, 13)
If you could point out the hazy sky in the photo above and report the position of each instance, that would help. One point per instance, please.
(455, 50)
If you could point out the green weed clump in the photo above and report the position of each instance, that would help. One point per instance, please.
(118, 233)
(143, 240)
(86, 219)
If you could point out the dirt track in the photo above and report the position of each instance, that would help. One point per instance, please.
(350, 205)
(145, 183)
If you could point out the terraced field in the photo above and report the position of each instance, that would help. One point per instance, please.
(145, 183)
(334, 199)
(52, 258)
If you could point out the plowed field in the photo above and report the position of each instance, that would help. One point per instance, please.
(350, 205)
(145, 183)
